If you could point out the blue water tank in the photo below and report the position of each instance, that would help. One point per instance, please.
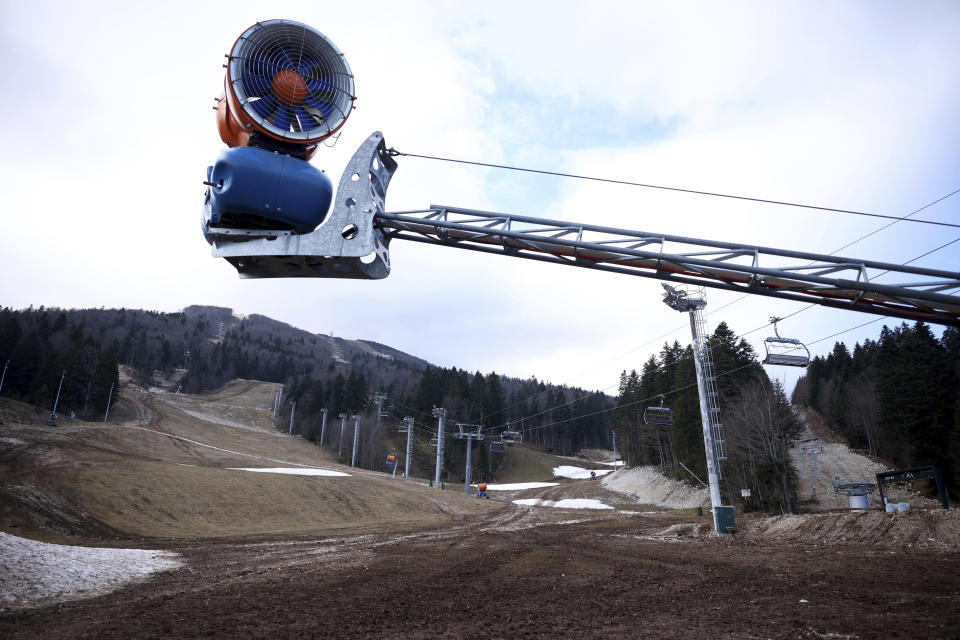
(252, 188)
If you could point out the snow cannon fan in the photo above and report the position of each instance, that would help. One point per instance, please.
(287, 88)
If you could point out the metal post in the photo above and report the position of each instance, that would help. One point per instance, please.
(343, 423)
(356, 436)
(379, 397)
(109, 398)
(293, 410)
(712, 478)
(441, 415)
(614, 434)
(323, 427)
(814, 449)
(60, 386)
(466, 488)
(406, 463)
(4, 374)
(693, 302)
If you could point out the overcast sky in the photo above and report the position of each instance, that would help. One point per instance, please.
(107, 130)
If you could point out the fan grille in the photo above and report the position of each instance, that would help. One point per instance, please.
(292, 82)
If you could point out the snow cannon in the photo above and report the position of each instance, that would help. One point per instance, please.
(287, 88)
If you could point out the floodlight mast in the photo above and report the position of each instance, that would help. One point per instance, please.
(353, 243)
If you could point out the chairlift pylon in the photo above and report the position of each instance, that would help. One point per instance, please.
(783, 351)
(658, 415)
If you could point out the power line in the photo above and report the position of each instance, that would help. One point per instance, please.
(784, 203)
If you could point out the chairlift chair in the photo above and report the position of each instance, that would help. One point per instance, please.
(511, 437)
(434, 441)
(498, 446)
(784, 351)
(658, 415)
(402, 427)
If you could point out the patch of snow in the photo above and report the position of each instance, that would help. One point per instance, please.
(567, 503)
(34, 572)
(293, 472)
(650, 486)
(618, 463)
(578, 473)
(12, 441)
(517, 486)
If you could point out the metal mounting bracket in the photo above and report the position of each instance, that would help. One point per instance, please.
(345, 245)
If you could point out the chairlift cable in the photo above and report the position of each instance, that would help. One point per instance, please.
(784, 203)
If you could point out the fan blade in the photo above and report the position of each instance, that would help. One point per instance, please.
(323, 107)
(284, 59)
(265, 106)
(255, 85)
(306, 120)
(306, 64)
(260, 64)
(282, 119)
(316, 84)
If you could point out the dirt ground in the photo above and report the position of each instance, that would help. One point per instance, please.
(493, 577)
(269, 556)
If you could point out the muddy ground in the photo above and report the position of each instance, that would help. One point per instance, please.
(499, 577)
(266, 556)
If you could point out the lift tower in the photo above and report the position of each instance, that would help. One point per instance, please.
(692, 301)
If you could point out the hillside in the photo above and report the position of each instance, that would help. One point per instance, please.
(172, 535)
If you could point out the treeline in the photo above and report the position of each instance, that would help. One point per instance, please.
(759, 425)
(556, 419)
(897, 397)
(48, 361)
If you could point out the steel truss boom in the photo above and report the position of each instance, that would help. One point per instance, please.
(916, 293)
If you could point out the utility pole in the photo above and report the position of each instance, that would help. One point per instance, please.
(356, 436)
(814, 448)
(469, 432)
(293, 409)
(323, 427)
(406, 461)
(693, 302)
(278, 396)
(379, 397)
(343, 423)
(4, 374)
(109, 398)
(441, 415)
(60, 386)
(614, 434)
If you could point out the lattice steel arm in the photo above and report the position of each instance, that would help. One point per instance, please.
(334, 251)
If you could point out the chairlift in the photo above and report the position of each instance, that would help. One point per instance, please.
(402, 427)
(434, 441)
(511, 437)
(498, 446)
(658, 415)
(783, 351)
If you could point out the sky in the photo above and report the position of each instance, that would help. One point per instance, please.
(108, 128)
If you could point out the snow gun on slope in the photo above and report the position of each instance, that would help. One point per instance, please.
(288, 88)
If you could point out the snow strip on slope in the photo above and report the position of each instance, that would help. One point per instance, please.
(567, 503)
(294, 472)
(36, 571)
(517, 486)
(578, 473)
